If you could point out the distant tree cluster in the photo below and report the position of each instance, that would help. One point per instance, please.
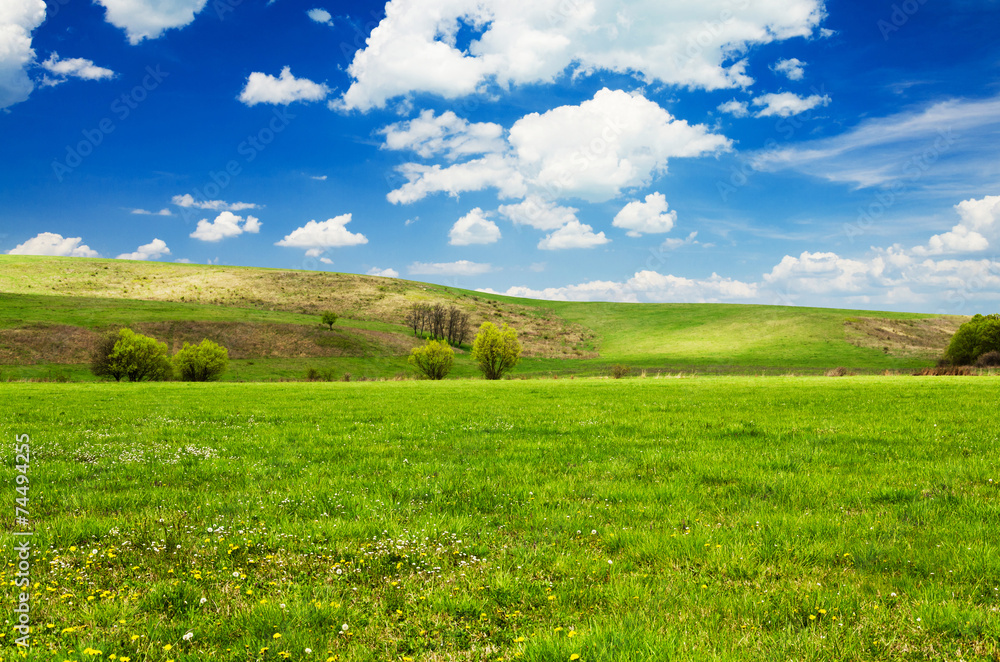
(439, 323)
(125, 354)
(975, 339)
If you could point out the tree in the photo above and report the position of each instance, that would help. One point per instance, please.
(330, 318)
(433, 360)
(976, 337)
(204, 362)
(496, 350)
(100, 357)
(135, 357)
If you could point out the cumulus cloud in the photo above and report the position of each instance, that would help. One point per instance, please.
(572, 235)
(17, 21)
(50, 243)
(649, 217)
(445, 135)
(188, 201)
(318, 237)
(320, 16)
(792, 68)
(225, 225)
(734, 108)
(63, 70)
(459, 268)
(591, 151)
(474, 228)
(150, 251)
(673, 243)
(148, 19)
(646, 287)
(823, 273)
(416, 47)
(539, 213)
(786, 104)
(385, 273)
(146, 212)
(283, 90)
(980, 225)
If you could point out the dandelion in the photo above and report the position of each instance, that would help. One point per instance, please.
(574, 656)
(203, 601)
(344, 627)
(188, 636)
(519, 640)
(276, 635)
(309, 650)
(167, 647)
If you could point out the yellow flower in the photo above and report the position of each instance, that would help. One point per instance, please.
(822, 611)
(134, 637)
(277, 635)
(519, 640)
(812, 617)
(574, 656)
(167, 647)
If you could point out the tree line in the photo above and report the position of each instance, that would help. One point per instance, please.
(439, 323)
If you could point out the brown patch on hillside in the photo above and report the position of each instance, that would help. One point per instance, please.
(926, 338)
(46, 343)
(542, 332)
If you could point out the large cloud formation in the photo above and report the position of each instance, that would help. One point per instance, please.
(417, 47)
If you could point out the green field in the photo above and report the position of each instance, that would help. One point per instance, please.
(709, 518)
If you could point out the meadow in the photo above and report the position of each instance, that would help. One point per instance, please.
(706, 518)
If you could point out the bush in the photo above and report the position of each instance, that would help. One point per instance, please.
(988, 360)
(204, 362)
(330, 318)
(433, 360)
(496, 350)
(100, 356)
(976, 337)
(133, 356)
(619, 371)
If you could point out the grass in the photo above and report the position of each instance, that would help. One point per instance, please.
(714, 518)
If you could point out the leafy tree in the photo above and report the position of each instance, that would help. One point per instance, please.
(496, 350)
(134, 357)
(433, 360)
(330, 318)
(100, 357)
(204, 362)
(976, 337)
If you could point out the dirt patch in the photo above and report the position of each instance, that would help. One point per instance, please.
(910, 338)
(46, 343)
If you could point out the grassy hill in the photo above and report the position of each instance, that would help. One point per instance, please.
(51, 310)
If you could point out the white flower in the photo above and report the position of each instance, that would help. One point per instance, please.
(282, 605)
(203, 601)
(344, 627)
(188, 636)
(594, 532)
(309, 650)
(236, 574)
(892, 595)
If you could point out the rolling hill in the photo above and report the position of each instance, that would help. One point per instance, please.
(51, 310)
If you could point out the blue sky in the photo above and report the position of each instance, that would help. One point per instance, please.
(753, 151)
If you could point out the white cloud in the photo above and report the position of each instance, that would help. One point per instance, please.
(459, 268)
(188, 201)
(591, 151)
(225, 225)
(445, 135)
(792, 68)
(285, 89)
(649, 217)
(326, 260)
(734, 108)
(980, 225)
(318, 237)
(50, 243)
(539, 213)
(320, 16)
(146, 212)
(150, 251)
(73, 68)
(385, 273)
(415, 48)
(148, 19)
(786, 104)
(646, 286)
(823, 273)
(319, 178)
(17, 21)
(572, 235)
(474, 228)
(674, 243)
(183, 260)
(936, 145)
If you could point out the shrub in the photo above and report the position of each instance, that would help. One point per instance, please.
(100, 356)
(976, 337)
(988, 360)
(496, 350)
(433, 360)
(619, 371)
(204, 362)
(330, 318)
(135, 357)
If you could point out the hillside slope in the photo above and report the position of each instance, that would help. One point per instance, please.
(272, 314)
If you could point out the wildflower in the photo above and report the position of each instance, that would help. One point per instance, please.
(309, 650)
(277, 635)
(344, 627)
(574, 656)
(167, 647)
(188, 636)
(203, 601)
